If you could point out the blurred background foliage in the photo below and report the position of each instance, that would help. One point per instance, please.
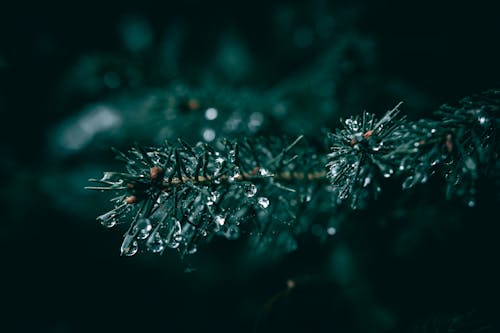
(78, 77)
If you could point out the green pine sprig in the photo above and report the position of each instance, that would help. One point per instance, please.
(271, 190)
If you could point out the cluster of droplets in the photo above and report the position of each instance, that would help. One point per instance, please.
(361, 151)
(179, 196)
(459, 146)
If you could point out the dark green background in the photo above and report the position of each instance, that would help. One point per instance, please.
(61, 272)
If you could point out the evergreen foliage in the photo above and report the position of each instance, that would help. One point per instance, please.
(178, 195)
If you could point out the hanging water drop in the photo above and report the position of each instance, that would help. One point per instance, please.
(378, 146)
(234, 177)
(192, 249)
(409, 182)
(232, 156)
(219, 161)
(132, 249)
(174, 237)
(109, 223)
(388, 172)
(334, 170)
(143, 228)
(155, 243)
(355, 125)
(173, 244)
(367, 181)
(108, 219)
(220, 220)
(250, 189)
(107, 176)
(129, 245)
(264, 172)
(422, 176)
(212, 198)
(263, 202)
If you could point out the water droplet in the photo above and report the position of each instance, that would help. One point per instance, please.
(334, 169)
(263, 202)
(409, 182)
(208, 134)
(108, 219)
(129, 245)
(175, 237)
(470, 164)
(155, 243)
(264, 172)
(331, 231)
(471, 203)
(212, 198)
(250, 189)
(143, 228)
(219, 161)
(173, 244)
(237, 175)
(109, 223)
(483, 120)
(422, 177)
(211, 113)
(232, 156)
(367, 181)
(387, 171)
(107, 176)
(435, 162)
(220, 220)
(378, 146)
(193, 249)
(132, 249)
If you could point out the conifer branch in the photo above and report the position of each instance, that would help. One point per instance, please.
(178, 196)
